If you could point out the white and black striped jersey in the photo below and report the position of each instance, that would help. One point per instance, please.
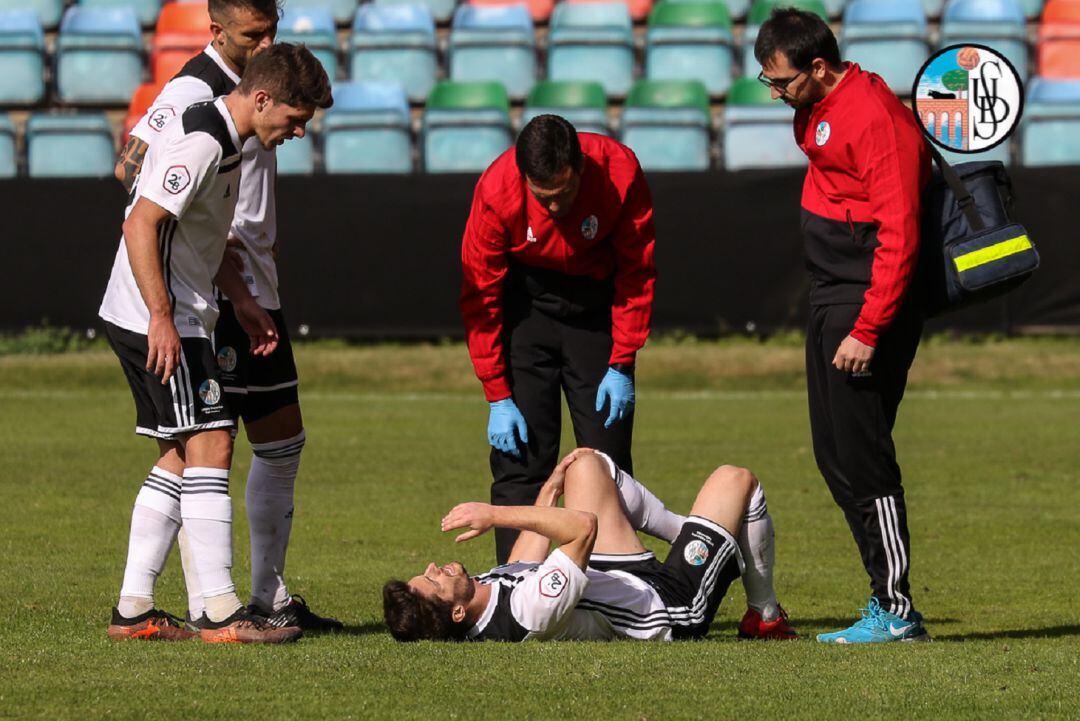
(193, 172)
(205, 77)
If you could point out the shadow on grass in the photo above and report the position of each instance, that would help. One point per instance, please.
(803, 624)
(363, 629)
(1048, 632)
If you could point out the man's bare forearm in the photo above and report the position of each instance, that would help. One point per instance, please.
(573, 531)
(231, 283)
(140, 235)
(130, 161)
(532, 546)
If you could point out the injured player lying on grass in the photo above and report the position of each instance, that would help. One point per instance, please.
(600, 582)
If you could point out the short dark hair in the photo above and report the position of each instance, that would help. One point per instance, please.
(801, 36)
(546, 146)
(290, 74)
(266, 8)
(411, 617)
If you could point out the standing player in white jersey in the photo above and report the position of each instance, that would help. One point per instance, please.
(160, 313)
(600, 583)
(262, 390)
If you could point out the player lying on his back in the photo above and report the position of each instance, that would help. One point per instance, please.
(599, 583)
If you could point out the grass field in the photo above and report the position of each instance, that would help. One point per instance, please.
(989, 438)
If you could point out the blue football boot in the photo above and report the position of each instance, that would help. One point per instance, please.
(879, 626)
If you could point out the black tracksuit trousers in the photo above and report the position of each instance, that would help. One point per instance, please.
(851, 420)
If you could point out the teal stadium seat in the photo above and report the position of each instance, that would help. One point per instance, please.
(1050, 128)
(341, 10)
(690, 41)
(887, 37)
(22, 58)
(146, 10)
(368, 129)
(441, 10)
(99, 56)
(999, 24)
(466, 126)
(395, 43)
(933, 8)
(759, 13)
(69, 146)
(297, 156)
(592, 41)
(314, 27)
(494, 42)
(667, 124)
(9, 163)
(1032, 8)
(49, 12)
(757, 130)
(581, 102)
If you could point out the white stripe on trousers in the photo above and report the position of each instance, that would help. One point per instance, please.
(894, 553)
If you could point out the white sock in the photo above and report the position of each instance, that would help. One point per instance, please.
(154, 523)
(207, 515)
(757, 547)
(196, 607)
(269, 498)
(646, 512)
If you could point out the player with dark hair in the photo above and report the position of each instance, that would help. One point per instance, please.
(160, 313)
(557, 298)
(263, 391)
(600, 583)
(860, 223)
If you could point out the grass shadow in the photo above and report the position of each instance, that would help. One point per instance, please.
(1048, 632)
(826, 623)
(363, 629)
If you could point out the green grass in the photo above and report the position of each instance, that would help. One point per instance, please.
(987, 439)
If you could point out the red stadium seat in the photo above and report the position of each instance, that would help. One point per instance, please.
(1058, 50)
(183, 30)
(140, 103)
(183, 18)
(1061, 12)
(639, 9)
(540, 10)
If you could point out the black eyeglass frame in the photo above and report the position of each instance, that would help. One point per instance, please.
(781, 85)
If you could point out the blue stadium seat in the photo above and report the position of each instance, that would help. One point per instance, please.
(9, 164)
(592, 41)
(1050, 128)
(297, 156)
(22, 58)
(690, 41)
(367, 130)
(341, 10)
(887, 37)
(48, 11)
(583, 103)
(494, 42)
(933, 8)
(314, 27)
(466, 126)
(69, 146)
(757, 130)
(1032, 8)
(99, 55)
(999, 24)
(395, 43)
(146, 10)
(667, 124)
(441, 10)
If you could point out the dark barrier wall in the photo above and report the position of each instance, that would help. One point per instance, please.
(378, 256)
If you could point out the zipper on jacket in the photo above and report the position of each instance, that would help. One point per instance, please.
(851, 226)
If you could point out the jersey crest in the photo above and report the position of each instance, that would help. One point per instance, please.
(177, 179)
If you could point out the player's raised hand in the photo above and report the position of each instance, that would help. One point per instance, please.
(259, 326)
(557, 480)
(477, 517)
(163, 347)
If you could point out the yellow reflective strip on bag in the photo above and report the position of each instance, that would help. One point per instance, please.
(997, 251)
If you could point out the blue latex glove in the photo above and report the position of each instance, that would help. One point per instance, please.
(618, 387)
(505, 426)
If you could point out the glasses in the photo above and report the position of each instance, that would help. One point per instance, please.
(781, 85)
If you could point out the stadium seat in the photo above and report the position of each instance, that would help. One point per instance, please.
(582, 103)
(759, 13)
(999, 24)
(592, 41)
(98, 55)
(183, 30)
(9, 165)
(690, 41)
(341, 10)
(297, 156)
(314, 27)
(1000, 152)
(1032, 8)
(441, 10)
(395, 43)
(757, 129)
(1050, 128)
(22, 58)
(69, 146)
(933, 8)
(1058, 49)
(466, 126)
(667, 124)
(146, 10)
(638, 9)
(887, 37)
(539, 10)
(368, 129)
(494, 43)
(141, 100)
(737, 9)
(48, 12)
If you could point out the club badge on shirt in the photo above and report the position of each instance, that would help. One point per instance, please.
(176, 179)
(552, 584)
(821, 135)
(589, 226)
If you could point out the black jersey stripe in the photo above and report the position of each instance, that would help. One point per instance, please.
(227, 167)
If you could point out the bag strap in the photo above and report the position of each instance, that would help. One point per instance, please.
(960, 191)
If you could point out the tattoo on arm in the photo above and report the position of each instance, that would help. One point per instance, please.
(130, 161)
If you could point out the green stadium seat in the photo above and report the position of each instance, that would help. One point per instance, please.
(757, 129)
(70, 146)
(465, 126)
(667, 124)
(583, 103)
(690, 41)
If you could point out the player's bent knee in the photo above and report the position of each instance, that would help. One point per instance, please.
(211, 449)
(587, 468)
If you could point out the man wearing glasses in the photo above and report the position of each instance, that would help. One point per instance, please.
(860, 224)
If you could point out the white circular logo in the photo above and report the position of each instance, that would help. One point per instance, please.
(696, 553)
(226, 359)
(210, 392)
(968, 98)
(589, 226)
(821, 135)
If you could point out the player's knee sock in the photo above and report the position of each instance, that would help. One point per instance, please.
(269, 497)
(207, 516)
(154, 523)
(196, 607)
(758, 551)
(647, 512)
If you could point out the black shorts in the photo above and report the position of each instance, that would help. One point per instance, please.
(702, 563)
(192, 400)
(256, 386)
